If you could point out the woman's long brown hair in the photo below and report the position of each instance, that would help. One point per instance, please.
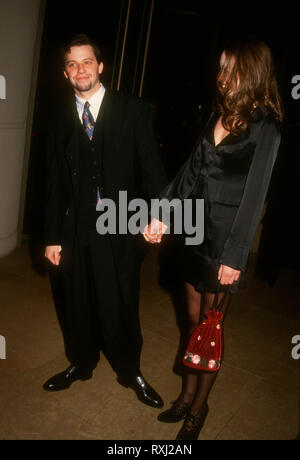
(246, 80)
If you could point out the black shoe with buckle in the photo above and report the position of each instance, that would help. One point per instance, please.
(192, 425)
(65, 379)
(176, 413)
(145, 393)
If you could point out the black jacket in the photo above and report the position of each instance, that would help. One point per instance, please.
(233, 178)
(130, 161)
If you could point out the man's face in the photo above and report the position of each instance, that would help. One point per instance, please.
(82, 68)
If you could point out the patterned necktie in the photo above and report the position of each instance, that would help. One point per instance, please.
(88, 121)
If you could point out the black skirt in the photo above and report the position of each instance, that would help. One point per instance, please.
(203, 274)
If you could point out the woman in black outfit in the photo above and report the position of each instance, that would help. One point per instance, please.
(230, 167)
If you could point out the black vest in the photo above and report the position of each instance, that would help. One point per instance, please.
(90, 177)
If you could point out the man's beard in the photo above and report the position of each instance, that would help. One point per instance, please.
(82, 88)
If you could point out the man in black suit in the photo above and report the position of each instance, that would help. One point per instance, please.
(102, 144)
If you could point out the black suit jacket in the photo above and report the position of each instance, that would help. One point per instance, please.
(233, 177)
(130, 161)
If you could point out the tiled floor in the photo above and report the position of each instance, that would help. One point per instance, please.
(256, 395)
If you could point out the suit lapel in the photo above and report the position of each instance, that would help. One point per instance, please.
(70, 133)
(72, 123)
(108, 128)
(98, 130)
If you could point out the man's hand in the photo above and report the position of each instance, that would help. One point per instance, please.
(154, 231)
(52, 253)
(228, 275)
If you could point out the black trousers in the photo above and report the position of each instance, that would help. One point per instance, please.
(92, 312)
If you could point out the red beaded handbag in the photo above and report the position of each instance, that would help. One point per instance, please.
(204, 351)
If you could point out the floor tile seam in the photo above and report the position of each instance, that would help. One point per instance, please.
(261, 377)
(244, 401)
(226, 364)
(268, 312)
(83, 418)
(53, 360)
(58, 404)
(22, 375)
(21, 435)
(39, 369)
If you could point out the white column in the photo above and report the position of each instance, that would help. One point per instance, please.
(18, 29)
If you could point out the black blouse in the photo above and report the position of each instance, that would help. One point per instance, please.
(233, 178)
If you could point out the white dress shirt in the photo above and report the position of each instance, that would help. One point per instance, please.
(95, 103)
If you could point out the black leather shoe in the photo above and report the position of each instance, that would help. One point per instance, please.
(192, 425)
(176, 413)
(145, 393)
(65, 379)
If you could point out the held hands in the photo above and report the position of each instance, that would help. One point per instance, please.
(153, 234)
(154, 231)
(228, 275)
(52, 253)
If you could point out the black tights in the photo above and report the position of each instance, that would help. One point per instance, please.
(196, 386)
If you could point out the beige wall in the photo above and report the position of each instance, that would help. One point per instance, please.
(18, 30)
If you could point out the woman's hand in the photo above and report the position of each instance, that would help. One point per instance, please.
(228, 275)
(154, 231)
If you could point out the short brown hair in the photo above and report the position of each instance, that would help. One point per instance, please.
(82, 40)
(246, 80)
